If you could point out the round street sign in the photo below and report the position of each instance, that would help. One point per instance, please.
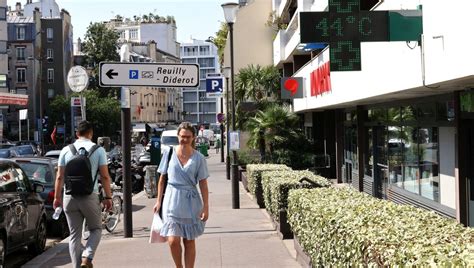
(220, 117)
(77, 78)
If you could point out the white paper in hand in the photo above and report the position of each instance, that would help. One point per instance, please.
(155, 229)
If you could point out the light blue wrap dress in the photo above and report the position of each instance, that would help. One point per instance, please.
(182, 202)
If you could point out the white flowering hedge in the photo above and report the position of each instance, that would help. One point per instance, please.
(254, 177)
(344, 227)
(277, 184)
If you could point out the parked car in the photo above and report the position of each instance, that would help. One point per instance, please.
(169, 138)
(42, 170)
(24, 150)
(53, 154)
(23, 220)
(8, 153)
(33, 144)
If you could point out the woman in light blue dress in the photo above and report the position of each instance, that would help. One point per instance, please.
(184, 213)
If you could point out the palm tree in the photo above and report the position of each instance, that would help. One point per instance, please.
(256, 83)
(276, 123)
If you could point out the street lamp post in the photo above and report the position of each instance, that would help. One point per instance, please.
(226, 72)
(230, 14)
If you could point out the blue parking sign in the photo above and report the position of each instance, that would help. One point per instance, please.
(214, 86)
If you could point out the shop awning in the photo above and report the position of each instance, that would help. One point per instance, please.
(18, 99)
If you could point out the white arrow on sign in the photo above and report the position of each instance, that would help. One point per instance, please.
(113, 74)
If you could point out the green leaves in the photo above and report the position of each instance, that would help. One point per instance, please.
(277, 184)
(254, 172)
(337, 227)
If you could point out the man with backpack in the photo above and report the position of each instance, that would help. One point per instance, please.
(79, 167)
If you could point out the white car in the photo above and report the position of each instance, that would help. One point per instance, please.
(169, 138)
(53, 153)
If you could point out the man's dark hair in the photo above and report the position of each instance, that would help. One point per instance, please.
(84, 127)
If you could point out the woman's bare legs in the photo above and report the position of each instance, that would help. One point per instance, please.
(175, 246)
(189, 253)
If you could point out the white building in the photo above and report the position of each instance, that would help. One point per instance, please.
(197, 107)
(162, 32)
(401, 127)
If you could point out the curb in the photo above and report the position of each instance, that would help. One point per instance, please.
(45, 257)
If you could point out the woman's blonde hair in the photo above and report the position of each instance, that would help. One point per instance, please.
(188, 126)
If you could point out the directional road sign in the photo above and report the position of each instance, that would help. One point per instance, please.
(113, 74)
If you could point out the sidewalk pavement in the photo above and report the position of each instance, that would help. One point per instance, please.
(242, 237)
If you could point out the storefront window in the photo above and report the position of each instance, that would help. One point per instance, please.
(420, 162)
(395, 155)
(369, 159)
(350, 146)
(378, 115)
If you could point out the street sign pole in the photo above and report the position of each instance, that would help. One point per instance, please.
(126, 151)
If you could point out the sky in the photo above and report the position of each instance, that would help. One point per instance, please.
(198, 19)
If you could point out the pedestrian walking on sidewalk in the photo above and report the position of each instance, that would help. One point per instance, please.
(78, 167)
(184, 213)
(218, 145)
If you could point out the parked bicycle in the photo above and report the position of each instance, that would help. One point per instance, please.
(111, 218)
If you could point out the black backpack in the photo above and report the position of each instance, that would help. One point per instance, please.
(78, 173)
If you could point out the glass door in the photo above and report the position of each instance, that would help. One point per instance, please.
(380, 146)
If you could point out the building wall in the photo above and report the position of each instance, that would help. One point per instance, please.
(3, 44)
(199, 108)
(402, 65)
(162, 33)
(251, 46)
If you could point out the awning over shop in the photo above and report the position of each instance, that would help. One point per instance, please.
(138, 128)
(18, 99)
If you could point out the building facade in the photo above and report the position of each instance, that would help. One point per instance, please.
(198, 108)
(400, 128)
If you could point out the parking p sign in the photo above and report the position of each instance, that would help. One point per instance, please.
(214, 87)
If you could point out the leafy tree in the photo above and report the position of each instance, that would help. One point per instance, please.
(100, 45)
(103, 113)
(257, 83)
(260, 85)
(220, 40)
(274, 124)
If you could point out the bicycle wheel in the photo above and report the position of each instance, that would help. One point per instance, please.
(113, 216)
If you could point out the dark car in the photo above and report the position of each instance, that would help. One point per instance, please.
(24, 150)
(42, 170)
(8, 153)
(22, 214)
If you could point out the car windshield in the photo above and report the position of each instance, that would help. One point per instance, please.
(37, 171)
(4, 153)
(22, 150)
(169, 140)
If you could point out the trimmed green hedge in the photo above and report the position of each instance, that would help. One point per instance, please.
(254, 172)
(343, 227)
(277, 184)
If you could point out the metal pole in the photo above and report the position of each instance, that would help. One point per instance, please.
(235, 179)
(126, 152)
(28, 126)
(19, 125)
(227, 117)
(41, 105)
(222, 131)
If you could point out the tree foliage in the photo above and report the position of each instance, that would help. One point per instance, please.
(100, 44)
(257, 83)
(103, 113)
(220, 40)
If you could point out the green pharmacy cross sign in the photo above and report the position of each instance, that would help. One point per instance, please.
(345, 26)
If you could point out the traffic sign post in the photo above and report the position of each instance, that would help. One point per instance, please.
(114, 74)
